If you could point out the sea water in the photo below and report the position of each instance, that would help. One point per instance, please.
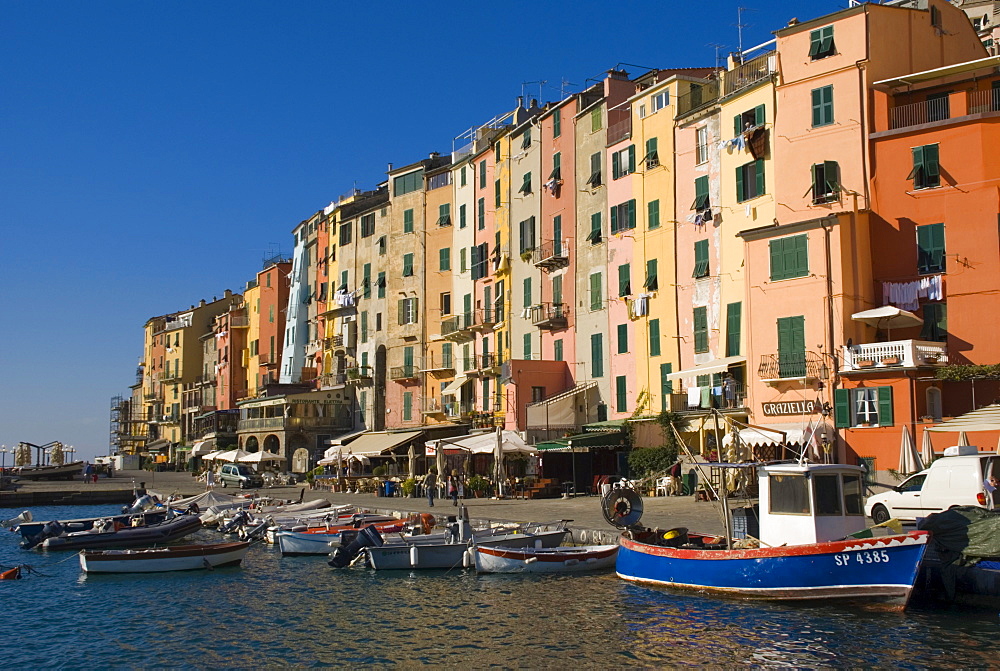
(297, 611)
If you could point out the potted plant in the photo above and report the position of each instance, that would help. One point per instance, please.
(478, 485)
(526, 255)
(890, 360)
(409, 487)
(865, 363)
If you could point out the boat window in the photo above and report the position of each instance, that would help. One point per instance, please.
(852, 495)
(826, 491)
(789, 494)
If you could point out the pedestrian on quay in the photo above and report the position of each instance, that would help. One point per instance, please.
(111, 470)
(209, 480)
(87, 468)
(453, 487)
(430, 485)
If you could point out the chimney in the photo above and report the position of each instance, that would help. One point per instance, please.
(434, 155)
(520, 101)
(390, 168)
(228, 293)
(793, 22)
(534, 102)
(201, 303)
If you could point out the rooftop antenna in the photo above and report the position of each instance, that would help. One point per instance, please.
(740, 25)
(716, 46)
(541, 83)
(562, 87)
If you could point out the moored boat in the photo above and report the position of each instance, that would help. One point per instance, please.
(63, 472)
(570, 559)
(98, 537)
(320, 540)
(808, 513)
(157, 560)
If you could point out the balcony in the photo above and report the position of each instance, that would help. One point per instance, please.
(453, 409)
(791, 367)
(484, 320)
(359, 375)
(619, 131)
(432, 406)
(331, 380)
(750, 73)
(407, 372)
(291, 423)
(953, 106)
(550, 316)
(268, 359)
(443, 365)
(239, 321)
(697, 98)
(490, 364)
(894, 354)
(552, 255)
(459, 327)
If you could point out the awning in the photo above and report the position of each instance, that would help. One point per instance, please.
(559, 411)
(609, 425)
(930, 75)
(888, 317)
(202, 447)
(157, 445)
(770, 434)
(485, 443)
(716, 366)
(984, 419)
(453, 387)
(375, 444)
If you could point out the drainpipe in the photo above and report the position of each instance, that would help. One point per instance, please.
(834, 378)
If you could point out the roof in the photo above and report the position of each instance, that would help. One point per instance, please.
(375, 444)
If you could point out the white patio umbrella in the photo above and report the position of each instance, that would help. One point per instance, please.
(963, 438)
(212, 456)
(500, 471)
(888, 317)
(412, 454)
(440, 459)
(909, 460)
(927, 449)
(232, 455)
(260, 458)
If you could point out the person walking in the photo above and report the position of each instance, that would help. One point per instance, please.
(453, 487)
(209, 480)
(430, 485)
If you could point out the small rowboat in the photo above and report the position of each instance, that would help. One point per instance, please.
(545, 560)
(156, 560)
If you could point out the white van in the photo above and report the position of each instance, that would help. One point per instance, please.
(956, 479)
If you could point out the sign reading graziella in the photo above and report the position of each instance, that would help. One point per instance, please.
(791, 408)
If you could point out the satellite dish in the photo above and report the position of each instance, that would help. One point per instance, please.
(622, 507)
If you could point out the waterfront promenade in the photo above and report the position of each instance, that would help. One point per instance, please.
(585, 511)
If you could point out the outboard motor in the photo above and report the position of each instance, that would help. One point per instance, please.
(14, 522)
(50, 530)
(352, 543)
(142, 503)
(255, 531)
(238, 520)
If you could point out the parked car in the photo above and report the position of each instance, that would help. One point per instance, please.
(956, 479)
(239, 475)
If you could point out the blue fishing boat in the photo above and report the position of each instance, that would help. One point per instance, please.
(811, 544)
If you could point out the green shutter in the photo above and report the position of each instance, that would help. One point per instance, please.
(734, 315)
(932, 170)
(758, 115)
(402, 311)
(666, 385)
(557, 350)
(651, 283)
(817, 107)
(597, 355)
(407, 406)
(759, 171)
(884, 406)
(701, 200)
(631, 214)
(446, 355)
(631, 158)
(527, 292)
(700, 258)
(930, 248)
(614, 219)
(842, 408)
(791, 347)
(496, 192)
(444, 258)
(557, 289)
(654, 337)
(623, 338)
(407, 221)
(624, 280)
(527, 346)
(700, 329)
(556, 123)
(651, 150)
(737, 125)
(596, 301)
(408, 357)
(616, 166)
(364, 327)
(740, 189)
(653, 214)
(621, 389)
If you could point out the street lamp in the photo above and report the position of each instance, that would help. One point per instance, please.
(3, 459)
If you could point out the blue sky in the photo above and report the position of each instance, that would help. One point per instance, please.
(151, 154)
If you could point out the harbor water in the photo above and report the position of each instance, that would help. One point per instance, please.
(297, 611)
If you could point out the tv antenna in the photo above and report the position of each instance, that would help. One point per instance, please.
(716, 46)
(541, 83)
(740, 25)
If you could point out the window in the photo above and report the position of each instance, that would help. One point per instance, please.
(345, 234)
(478, 262)
(557, 123)
(525, 185)
(596, 300)
(407, 406)
(407, 311)
(701, 145)
(496, 193)
(652, 155)
(666, 385)
(444, 258)
(462, 178)
(623, 162)
(270, 314)
(463, 260)
(926, 172)
(380, 283)
(444, 214)
(825, 182)
(935, 326)
(447, 357)
(701, 329)
(623, 216)
(364, 327)
(557, 239)
(527, 230)
(446, 303)
(654, 337)
(481, 215)
(624, 280)
(658, 101)
(826, 495)
(556, 173)
(594, 236)
(623, 338)
(596, 121)
(407, 221)
(932, 399)
(935, 17)
(411, 181)
(653, 214)
(366, 281)
(930, 249)
(700, 259)
(822, 106)
(821, 43)
(789, 494)
(482, 174)
(527, 292)
(526, 138)
(438, 181)
(378, 321)
(381, 245)
(595, 170)
(789, 257)
(557, 349)
(792, 346)
(407, 265)
(367, 225)
(597, 355)
(461, 215)
(750, 180)
(526, 344)
(871, 406)
(557, 294)
(734, 315)
(748, 120)
(651, 283)
(621, 393)
(701, 201)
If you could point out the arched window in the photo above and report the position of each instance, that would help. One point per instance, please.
(933, 400)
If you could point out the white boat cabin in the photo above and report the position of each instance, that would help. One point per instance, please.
(810, 503)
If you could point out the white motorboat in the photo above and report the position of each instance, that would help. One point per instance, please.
(157, 560)
(570, 559)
